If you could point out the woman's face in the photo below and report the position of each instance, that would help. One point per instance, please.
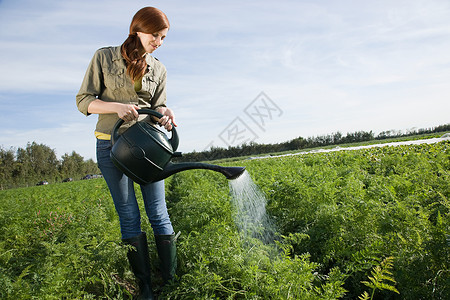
(151, 41)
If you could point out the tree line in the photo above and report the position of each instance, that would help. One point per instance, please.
(302, 143)
(37, 162)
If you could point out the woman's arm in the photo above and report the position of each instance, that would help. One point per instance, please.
(127, 112)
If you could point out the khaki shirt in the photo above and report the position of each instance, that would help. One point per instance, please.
(106, 79)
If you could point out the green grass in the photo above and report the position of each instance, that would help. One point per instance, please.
(351, 224)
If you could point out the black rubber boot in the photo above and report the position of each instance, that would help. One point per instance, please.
(167, 252)
(140, 264)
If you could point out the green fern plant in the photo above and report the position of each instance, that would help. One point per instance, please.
(381, 279)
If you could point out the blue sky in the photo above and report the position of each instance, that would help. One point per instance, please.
(263, 71)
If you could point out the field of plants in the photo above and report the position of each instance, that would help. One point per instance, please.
(363, 224)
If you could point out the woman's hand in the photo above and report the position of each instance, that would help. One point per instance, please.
(127, 112)
(168, 118)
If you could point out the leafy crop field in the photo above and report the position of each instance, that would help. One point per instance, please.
(367, 224)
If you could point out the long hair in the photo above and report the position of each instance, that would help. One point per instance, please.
(146, 20)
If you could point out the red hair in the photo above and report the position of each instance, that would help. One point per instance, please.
(146, 20)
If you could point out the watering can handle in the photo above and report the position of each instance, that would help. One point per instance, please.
(173, 141)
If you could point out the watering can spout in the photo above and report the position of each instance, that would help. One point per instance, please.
(232, 172)
(172, 168)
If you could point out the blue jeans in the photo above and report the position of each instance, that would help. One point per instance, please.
(122, 192)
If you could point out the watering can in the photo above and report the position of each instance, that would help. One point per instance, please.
(143, 152)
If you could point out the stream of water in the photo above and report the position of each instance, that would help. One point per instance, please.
(250, 209)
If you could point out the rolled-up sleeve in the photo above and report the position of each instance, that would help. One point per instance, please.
(92, 84)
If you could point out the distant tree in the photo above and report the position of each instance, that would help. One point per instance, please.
(384, 134)
(442, 128)
(71, 165)
(295, 144)
(337, 138)
(7, 166)
(37, 162)
(24, 171)
(90, 167)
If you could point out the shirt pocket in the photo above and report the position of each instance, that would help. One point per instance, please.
(114, 78)
(149, 85)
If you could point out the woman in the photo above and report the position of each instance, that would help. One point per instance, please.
(119, 81)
